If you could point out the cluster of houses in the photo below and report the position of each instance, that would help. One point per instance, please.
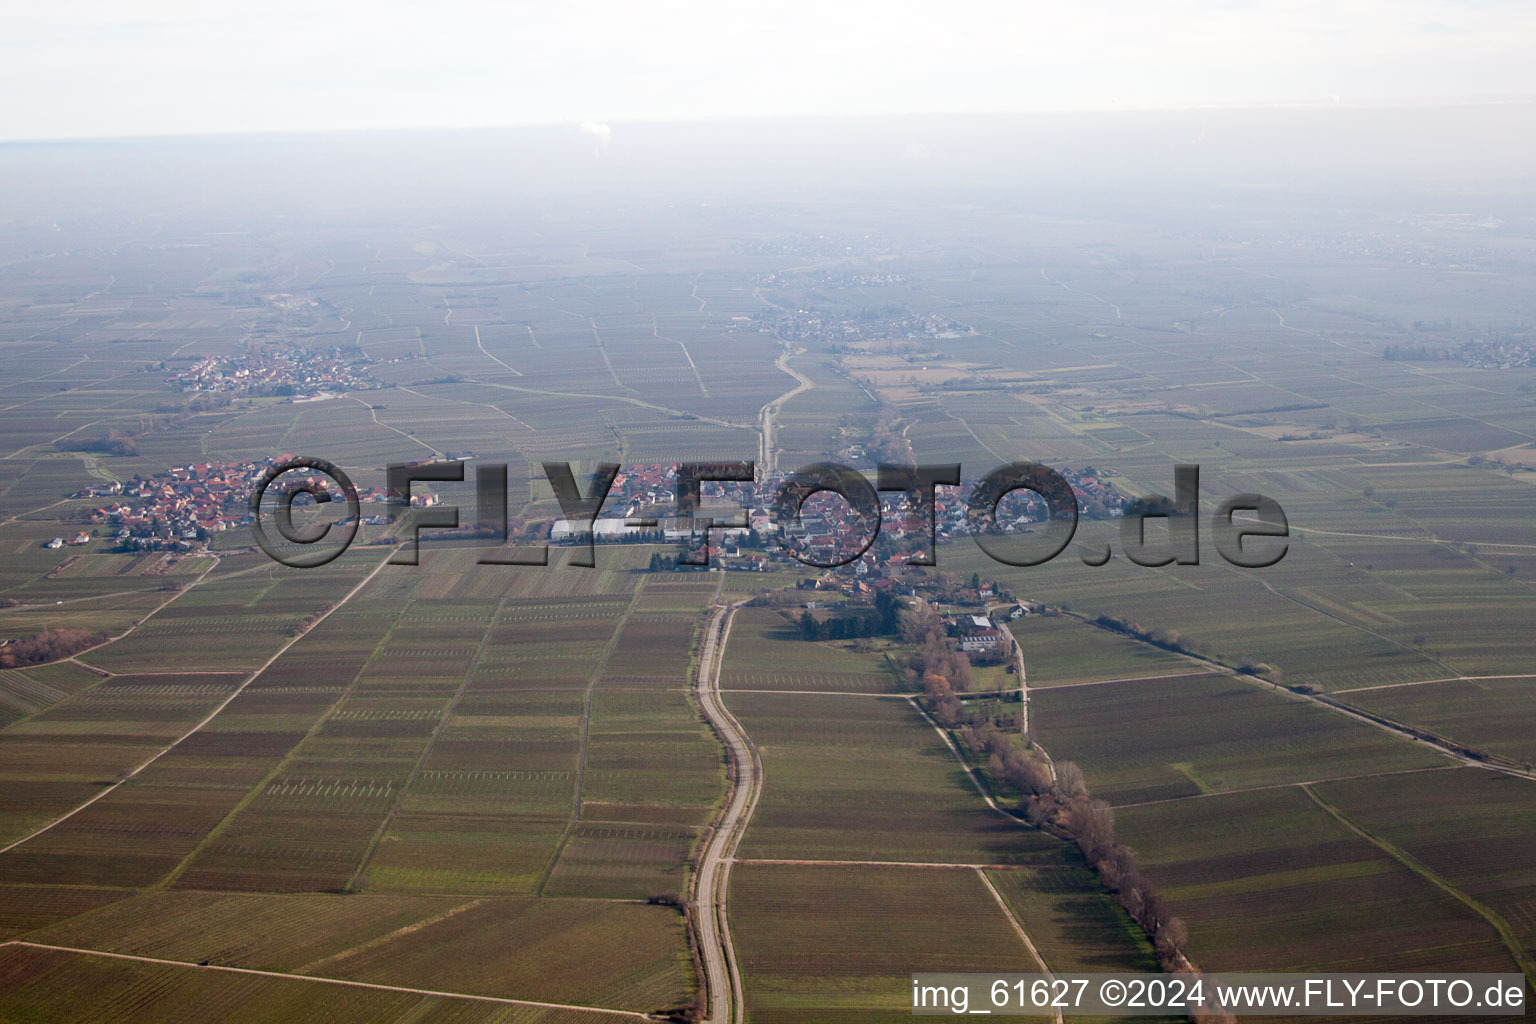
(808, 325)
(1478, 355)
(297, 373)
(1492, 355)
(829, 527)
(823, 279)
(178, 508)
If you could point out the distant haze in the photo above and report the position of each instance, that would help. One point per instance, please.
(88, 68)
(1101, 165)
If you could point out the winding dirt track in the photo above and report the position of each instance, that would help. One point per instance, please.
(770, 456)
(722, 975)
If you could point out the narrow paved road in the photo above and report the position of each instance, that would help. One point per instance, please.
(769, 455)
(725, 1005)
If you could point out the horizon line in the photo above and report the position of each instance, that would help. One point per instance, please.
(1329, 103)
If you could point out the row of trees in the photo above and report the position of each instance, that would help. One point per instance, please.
(1059, 800)
(54, 645)
(851, 625)
(936, 661)
(1172, 640)
(116, 442)
(879, 619)
(888, 440)
(1167, 639)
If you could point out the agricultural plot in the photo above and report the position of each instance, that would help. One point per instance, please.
(486, 805)
(320, 808)
(1473, 828)
(814, 682)
(591, 952)
(1059, 650)
(1307, 644)
(133, 837)
(838, 769)
(681, 594)
(1157, 739)
(1492, 715)
(649, 758)
(64, 986)
(766, 652)
(252, 617)
(25, 692)
(62, 756)
(1074, 923)
(825, 944)
(623, 860)
(27, 908)
(486, 809)
(472, 854)
(104, 604)
(297, 933)
(1268, 881)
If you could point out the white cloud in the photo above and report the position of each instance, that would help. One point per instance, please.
(601, 133)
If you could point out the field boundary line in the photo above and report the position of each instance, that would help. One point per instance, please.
(426, 750)
(586, 728)
(1292, 785)
(598, 338)
(1513, 945)
(435, 993)
(1341, 620)
(1427, 682)
(830, 693)
(1205, 670)
(936, 865)
(481, 346)
(212, 714)
(125, 633)
(1457, 752)
(970, 772)
(1023, 935)
(626, 399)
(374, 413)
(255, 791)
(408, 929)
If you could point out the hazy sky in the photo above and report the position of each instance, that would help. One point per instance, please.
(83, 68)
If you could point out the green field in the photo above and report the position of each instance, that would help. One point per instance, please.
(61, 985)
(1157, 739)
(830, 944)
(1059, 650)
(1486, 714)
(839, 768)
(1267, 881)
